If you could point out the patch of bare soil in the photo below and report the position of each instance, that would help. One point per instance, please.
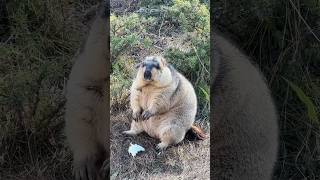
(186, 160)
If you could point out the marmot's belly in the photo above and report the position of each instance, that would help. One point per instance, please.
(151, 126)
(145, 99)
(155, 124)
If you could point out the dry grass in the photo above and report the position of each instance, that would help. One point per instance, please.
(187, 160)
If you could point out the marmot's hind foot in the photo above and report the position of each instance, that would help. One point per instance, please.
(130, 132)
(161, 146)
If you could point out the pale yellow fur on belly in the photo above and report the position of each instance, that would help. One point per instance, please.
(153, 125)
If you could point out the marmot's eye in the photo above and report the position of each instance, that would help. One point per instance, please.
(158, 67)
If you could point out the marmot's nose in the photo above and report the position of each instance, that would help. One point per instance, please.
(147, 75)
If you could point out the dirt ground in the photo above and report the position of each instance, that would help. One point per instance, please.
(186, 160)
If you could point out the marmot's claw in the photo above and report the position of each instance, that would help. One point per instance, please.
(161, 147)
(136, 115)
(146, 115)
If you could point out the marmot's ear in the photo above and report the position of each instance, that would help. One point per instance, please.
(137, 65)
(163, 62)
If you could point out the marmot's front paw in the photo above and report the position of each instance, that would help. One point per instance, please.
(146, 115)
(136, 115)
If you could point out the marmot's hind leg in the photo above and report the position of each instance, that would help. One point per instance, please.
(170, 135)
(134, 129)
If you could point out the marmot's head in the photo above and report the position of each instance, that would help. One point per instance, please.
(154, 70)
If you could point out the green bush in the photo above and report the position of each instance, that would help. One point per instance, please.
(128, 33)
(191, 15)
(121, 80)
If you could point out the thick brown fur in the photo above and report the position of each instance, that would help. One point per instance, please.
(164, 107)
(87, 102)
(245, 130)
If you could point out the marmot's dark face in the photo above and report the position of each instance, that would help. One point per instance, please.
(151, 68)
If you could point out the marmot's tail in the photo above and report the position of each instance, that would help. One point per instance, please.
(195, 133)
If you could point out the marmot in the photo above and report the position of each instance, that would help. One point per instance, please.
(88, 101)
(244, 123)
(163, 102)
